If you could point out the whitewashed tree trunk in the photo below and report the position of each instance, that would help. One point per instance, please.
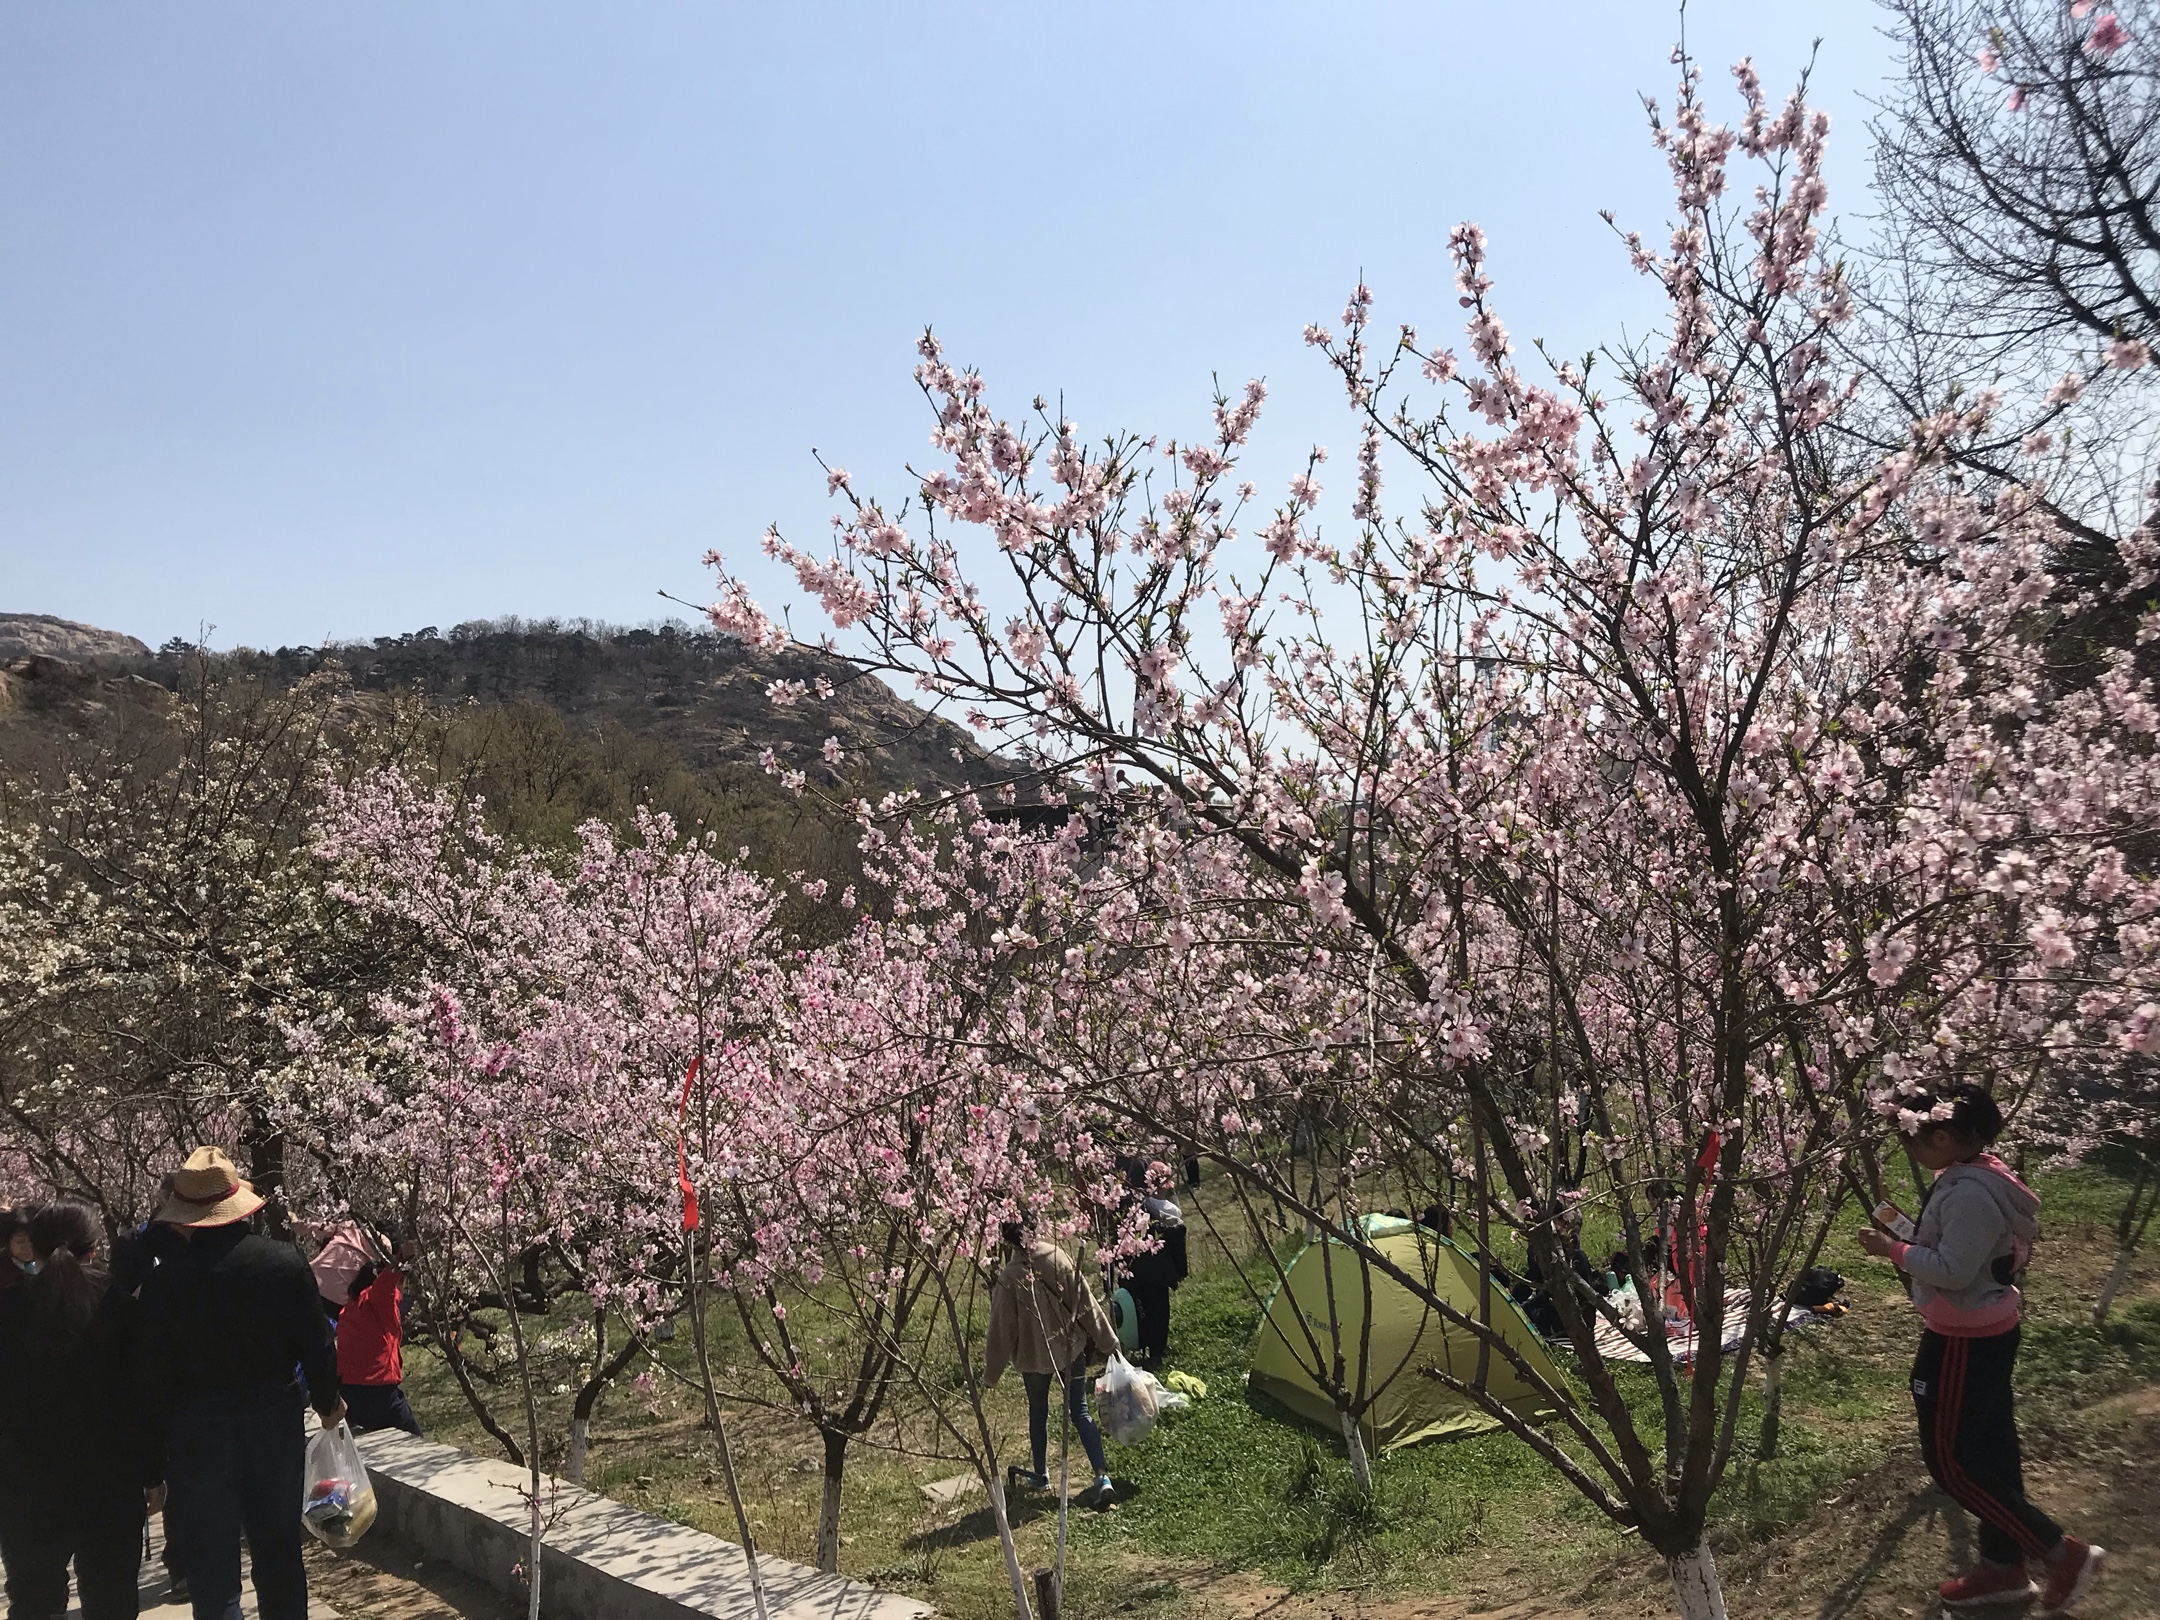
(2114, 1282)
(1695, 1584)
(532, 1569)
(1773, 1403)
(580, 1440)
(1005, 1542)
(1354, 1443)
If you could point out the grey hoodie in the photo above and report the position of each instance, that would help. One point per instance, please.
(1976, 1214)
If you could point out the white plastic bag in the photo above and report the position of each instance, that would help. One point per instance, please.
(337, 1501)
(1126, 1401)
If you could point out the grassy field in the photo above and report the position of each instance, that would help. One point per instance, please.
(1233, 1509)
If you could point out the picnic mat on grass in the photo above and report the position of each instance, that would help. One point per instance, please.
(1615, 1344)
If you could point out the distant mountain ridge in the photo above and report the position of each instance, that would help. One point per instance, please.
(707, 696)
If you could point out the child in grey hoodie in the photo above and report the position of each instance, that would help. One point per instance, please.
(1977, 1226)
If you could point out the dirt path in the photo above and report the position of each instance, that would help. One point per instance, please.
(381, 1580)
(378, 1580)
(1240, 1596)
(1876, 1552)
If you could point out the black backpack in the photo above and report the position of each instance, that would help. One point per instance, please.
(1817, 1287)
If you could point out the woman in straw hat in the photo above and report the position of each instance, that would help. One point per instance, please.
(225, 1322)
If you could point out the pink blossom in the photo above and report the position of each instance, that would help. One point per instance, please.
(2054, 947)
(1888, 959)
(2128, 354)
(2108, 36)
(1026, 642)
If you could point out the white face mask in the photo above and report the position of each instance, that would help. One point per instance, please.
(30, 1268)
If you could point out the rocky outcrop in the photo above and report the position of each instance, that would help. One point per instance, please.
(40, 635)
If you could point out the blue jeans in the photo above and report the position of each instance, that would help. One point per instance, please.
(1038, 1394)
(233, 1467)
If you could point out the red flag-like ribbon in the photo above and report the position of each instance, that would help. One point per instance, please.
(682, 1150)
(1706, 1161)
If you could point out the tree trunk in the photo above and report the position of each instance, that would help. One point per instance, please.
(587, 1398)
(1773, 1402)
(828, 1520)
(446, 1340)
(2114, 1282)
(266, 1171)
(1013, 1571)
(532, 1572)
(573, 1468)
(1695, 1584)
(718, 1426)
(1353, 1436)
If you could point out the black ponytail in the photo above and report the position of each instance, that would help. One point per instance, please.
(64, 1294)
(1973, 1114)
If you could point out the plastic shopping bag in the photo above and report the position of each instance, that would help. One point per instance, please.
(1126, 1401)
(338, 1501)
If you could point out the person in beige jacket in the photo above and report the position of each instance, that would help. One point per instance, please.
(1045, 1320)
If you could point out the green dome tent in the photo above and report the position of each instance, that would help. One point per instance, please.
(1407, 1335)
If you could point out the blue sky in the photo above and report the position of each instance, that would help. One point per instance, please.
(330, 320)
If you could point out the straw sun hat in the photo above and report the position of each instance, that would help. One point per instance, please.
(208, 1191)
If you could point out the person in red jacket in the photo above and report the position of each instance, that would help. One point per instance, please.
(370, 1355)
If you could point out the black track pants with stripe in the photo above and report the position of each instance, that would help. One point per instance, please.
(1968, 1433)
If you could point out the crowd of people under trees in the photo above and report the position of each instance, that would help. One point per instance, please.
(167, 1372)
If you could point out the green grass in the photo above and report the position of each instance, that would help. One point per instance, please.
(1236, 1484)
(1236, 1481)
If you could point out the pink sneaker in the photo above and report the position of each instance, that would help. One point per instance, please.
(2071, 1573)
(1987, 1583)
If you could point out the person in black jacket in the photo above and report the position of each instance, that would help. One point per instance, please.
(1151, 1276)
(225, 1322)
(1538, 1304)
(80, 1463)
(133, 1259)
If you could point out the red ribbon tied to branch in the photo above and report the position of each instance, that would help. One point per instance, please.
(1706, 1161)
(682, 1150)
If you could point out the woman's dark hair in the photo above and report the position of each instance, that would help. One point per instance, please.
(1653, 1251)
(361, 1279)
(1012, 1234)
(63, 1294)
(1973, 1113)
(11, 1222)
